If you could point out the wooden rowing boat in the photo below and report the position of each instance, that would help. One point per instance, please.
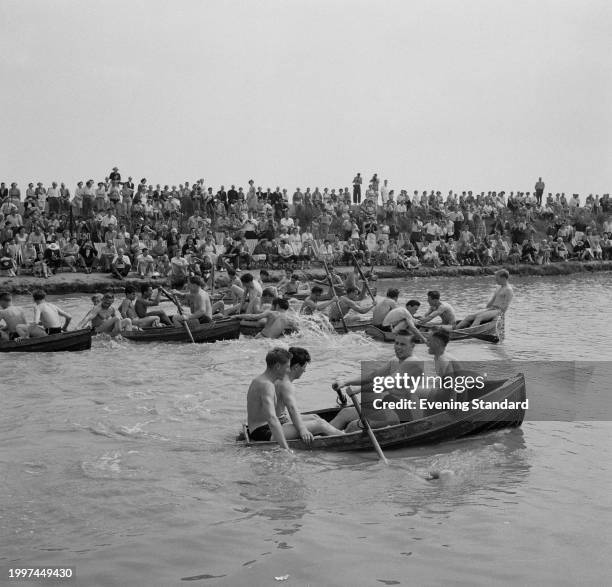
(225, 329)
(435, 427)
(252, 328)
(75, 340)
(488, 332)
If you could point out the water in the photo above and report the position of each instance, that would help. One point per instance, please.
(122, 461)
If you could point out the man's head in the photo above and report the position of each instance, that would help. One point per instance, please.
(107, 299)
(39, 295)
(146, 291)
(404, 344)
(281, 304)
(247, 279)
(352, 293)
(502, 276)
(278, 362)
(130, 292)
(5, 299)
(267, 295)
(433, 297)
(300, 358)
(436, 345)
(393, 293)
(195, 283)
(316, 292)
(412, 306)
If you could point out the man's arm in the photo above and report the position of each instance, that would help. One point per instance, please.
(355, 306)
(89, 316)
(271, 417)
(123, 308)
(264, 314)
(67, 317)
(431, 315)
(289, 400)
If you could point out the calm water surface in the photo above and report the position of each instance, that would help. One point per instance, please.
(122, 461)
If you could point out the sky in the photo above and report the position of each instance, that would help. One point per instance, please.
(436, 94)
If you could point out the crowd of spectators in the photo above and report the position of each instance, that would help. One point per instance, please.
(117, 226)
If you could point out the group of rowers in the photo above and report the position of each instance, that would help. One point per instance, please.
(272, 410)
(263, 305)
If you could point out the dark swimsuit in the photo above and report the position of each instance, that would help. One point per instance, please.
(57, 330)
(261, 434)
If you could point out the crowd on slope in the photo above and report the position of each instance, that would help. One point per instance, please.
(118, 226)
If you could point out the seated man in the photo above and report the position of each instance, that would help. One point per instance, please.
(347, 303)
(14, 318)
(405, 362)
(127, 310)
(388, 304)
(47, 317)
(496, 306)
(273, 391)
(145, 264)
(121, 265)
(53, 257)
(104, 317)
(146, 300)
(313, 302)
(277, 320)
(403, 319)
(200, 306)
(438, 308)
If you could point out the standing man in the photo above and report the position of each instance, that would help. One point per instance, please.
(357, 189)
(539, 191)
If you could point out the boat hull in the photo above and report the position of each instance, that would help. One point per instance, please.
(220, 330)
(432, 429)
(76, 340)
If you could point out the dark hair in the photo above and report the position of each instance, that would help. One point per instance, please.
(351, 289)
(268, 293)
(442, 335)
(393, 293)
(263, 272)
(433, 294)
(5, 295)
(282, 303)
(144, 287)
(246, 278)
(403, 332)
(299, 356)
(39, 294)
(277, 356)
(130, 289)
(413, 303)
(195, 280)
(316, 289)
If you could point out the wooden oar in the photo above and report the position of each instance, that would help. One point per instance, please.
(367, 426)
(175, 301)
(365, 281)
(333, 292)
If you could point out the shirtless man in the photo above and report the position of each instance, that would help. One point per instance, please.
(384, 307)
(313, 302)
(497, 305)
(127, 310)
(403, 319)
(439, 308)
(348, 303)
(200, 307)
(146, 300)
(104, 317)
(405, 362)
(47, 317)
(264, 407)
(16, 323)
(277, 320)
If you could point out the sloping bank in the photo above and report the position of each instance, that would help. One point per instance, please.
(98, 282)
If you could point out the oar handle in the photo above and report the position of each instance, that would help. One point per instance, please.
(368, 429)
(365, 281)
(341, 396)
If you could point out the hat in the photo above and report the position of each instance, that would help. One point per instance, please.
(53, 246)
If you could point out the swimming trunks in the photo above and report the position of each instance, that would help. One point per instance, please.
(56, 330)
(261, 434)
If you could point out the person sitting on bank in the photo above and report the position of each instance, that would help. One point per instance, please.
(271, 392)
(121, 265)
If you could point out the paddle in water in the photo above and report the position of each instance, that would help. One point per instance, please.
(175, 301)
(333, 292)
(363, 419)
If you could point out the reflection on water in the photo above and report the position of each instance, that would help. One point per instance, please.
(124, 458)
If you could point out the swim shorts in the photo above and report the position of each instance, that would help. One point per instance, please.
(261, 434)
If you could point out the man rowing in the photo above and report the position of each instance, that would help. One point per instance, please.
(272, 391)
(277, 319)
(14, 318)
(313, 302)
(346, 303)
(384, 307)
(105, 318)
(405, 362)
(144, 303)
(403, 319)
(439, 308)
(47, 317)
(496, 306)
(198, 300)
(127, 310)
